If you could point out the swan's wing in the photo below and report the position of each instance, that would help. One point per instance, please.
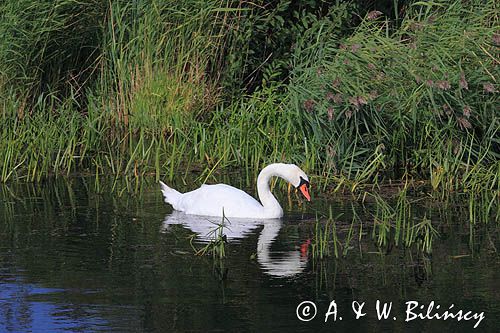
(212, 199)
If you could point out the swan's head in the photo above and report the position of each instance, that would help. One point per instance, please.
(298, 178)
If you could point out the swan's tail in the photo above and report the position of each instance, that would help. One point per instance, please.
(171, 196)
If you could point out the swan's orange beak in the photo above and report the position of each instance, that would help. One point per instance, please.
(305, 191)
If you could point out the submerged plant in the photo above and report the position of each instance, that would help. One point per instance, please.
(324, 236)
(423, 234)
(216, 247)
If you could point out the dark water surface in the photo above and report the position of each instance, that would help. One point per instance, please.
(75, 260)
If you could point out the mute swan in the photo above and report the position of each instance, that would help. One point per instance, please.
(213, 200)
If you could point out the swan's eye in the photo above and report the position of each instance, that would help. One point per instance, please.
(303, 182)
(304, 188)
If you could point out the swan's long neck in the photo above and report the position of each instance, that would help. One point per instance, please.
(266, 197)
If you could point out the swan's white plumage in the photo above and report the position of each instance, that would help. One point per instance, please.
(171, 196)
(211, 200)
(214, 200)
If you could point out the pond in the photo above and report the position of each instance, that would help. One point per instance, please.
(75, 257)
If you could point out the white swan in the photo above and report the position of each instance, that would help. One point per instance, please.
(213, 200)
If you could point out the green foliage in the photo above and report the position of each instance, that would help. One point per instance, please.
(157, 56)
(351, 94)
(268, 33)
(49, 47)
(423, 95)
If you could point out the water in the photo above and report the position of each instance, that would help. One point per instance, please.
(75, 260)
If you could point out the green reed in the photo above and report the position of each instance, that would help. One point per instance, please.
(324, 238)
(423, 234)
(347, 245)
(216, 247)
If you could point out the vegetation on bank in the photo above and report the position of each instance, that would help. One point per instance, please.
(355, 95)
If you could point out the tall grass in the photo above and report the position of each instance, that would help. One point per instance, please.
(134, 88)
(423, 97)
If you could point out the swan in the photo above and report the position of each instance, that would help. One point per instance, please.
(222, 199)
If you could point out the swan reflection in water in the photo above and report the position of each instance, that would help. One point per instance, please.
(274, 263)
